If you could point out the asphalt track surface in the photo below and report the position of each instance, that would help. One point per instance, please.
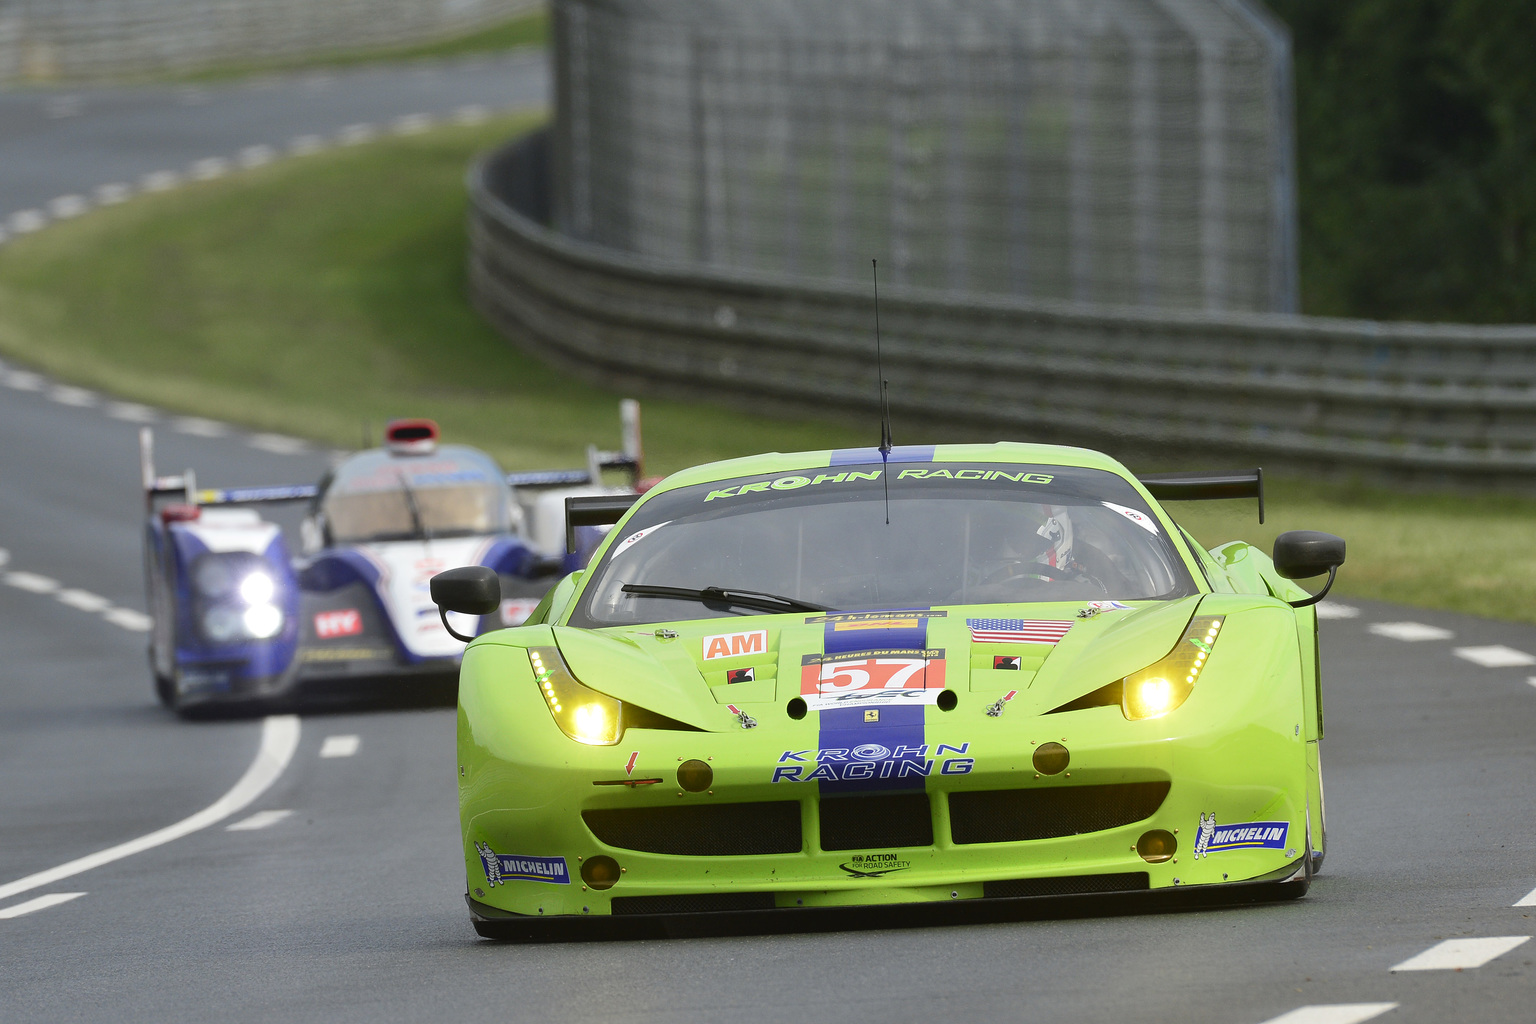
(349, 907)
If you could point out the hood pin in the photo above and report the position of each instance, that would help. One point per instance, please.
(995, 709)
(746, 720)
(666, 634)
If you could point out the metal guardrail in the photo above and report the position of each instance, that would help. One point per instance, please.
(84, 39)
(1436, 402)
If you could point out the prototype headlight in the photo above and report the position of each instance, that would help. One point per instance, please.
(582, 713)
(1161, 687)
(237, 598)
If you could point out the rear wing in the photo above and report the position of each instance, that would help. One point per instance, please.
(594, 510)
(1208, 485)
(185, 486)
(631, 458)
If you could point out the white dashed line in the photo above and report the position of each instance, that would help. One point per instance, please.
(26, 221)
(256, 156)
(279, 739)
(65, 207)
(1528, 900)
(1331, 610)
(83, 600)
(129, 619)
(340, 746)
(31, 582)
(64, 106)
(5, 558)
(1461, 954)
(22, 380)
(303, 145)
(198, 427)
(411, 124)
(160, 181)
(53, 899)
(357, 134)
(278, 444)
(80, 398)
(210, 167)
(132, 412)
(1495, 656)
(1411, 632)
(471, 114)
(110, 195)
(1336, 1013)
(261, 819)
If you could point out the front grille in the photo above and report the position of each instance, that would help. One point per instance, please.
(873, 822)
(711, 830)
(693, 903)
(1013, 815)
(1070, 885)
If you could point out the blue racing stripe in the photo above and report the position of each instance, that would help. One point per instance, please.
(852, 637)
(858, 756)
(867, 456)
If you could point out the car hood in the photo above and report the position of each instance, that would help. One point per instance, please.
(693, 671)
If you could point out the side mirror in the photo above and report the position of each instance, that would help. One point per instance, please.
(1302, 554)
(469, 590)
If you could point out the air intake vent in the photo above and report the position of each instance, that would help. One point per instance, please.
(693, 903)
(875, 822)
(716, 830)
(1013, 815)
(1070, 885)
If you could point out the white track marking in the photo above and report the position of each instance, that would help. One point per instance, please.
(31, 582)
(199, 427)
(279, 739)
(132, 412)
(1459, 954)
(5, 558)
(1529, 900)
(261, 819)
(1335, 1013)
(64, 106)
(53, 899)
(1411, 632)
(23, 380)
(278, 444)
(1496, 656)
(303, 145)
(208, 168)
(25, 222)
(340, 746)
(83, 600)
(116, 192)
(1334, 610)
(65, 207)
(356, 134)
(256, 156)
(160, 181)
(66, 394)
(129, 619)
(411, 124)
(470, 114)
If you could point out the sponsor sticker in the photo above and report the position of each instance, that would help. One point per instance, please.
(341, 622)
(741, 675)
(1141, 519)
(635, 538)
(873, 865)
(872, 761)
(871, 677)
(1011, 662)
(731, 645)
(1248, 835)
(501, 868)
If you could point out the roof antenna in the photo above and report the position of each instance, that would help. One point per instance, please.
(885, 400)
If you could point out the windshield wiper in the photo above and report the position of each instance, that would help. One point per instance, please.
(728, 595)
(410, 500)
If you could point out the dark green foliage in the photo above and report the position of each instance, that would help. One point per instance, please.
(1416, 131)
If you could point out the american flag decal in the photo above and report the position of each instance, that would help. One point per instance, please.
(1018, 631)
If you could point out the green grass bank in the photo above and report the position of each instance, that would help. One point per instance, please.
(325, 293)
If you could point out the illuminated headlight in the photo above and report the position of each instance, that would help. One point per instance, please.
(582, 713)
(262, 621)
(237, 597)
(257, 589)
(1162, 687)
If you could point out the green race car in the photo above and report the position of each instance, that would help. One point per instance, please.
(839, 679)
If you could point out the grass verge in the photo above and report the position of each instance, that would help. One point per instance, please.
(324, 293)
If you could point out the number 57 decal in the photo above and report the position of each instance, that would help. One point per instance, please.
(843, 681)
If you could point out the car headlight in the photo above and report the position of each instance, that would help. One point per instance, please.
(237, 597)
(582, 713)
(1161, 687)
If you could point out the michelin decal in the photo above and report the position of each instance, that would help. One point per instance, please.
(1249, 835)
(501, 868)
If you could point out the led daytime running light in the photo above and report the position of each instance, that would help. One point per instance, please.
(1162, 687)
(582, 713)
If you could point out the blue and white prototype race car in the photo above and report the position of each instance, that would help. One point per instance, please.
(239, 620)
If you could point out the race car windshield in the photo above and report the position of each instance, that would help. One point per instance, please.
(959, 533)
(455, 492)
